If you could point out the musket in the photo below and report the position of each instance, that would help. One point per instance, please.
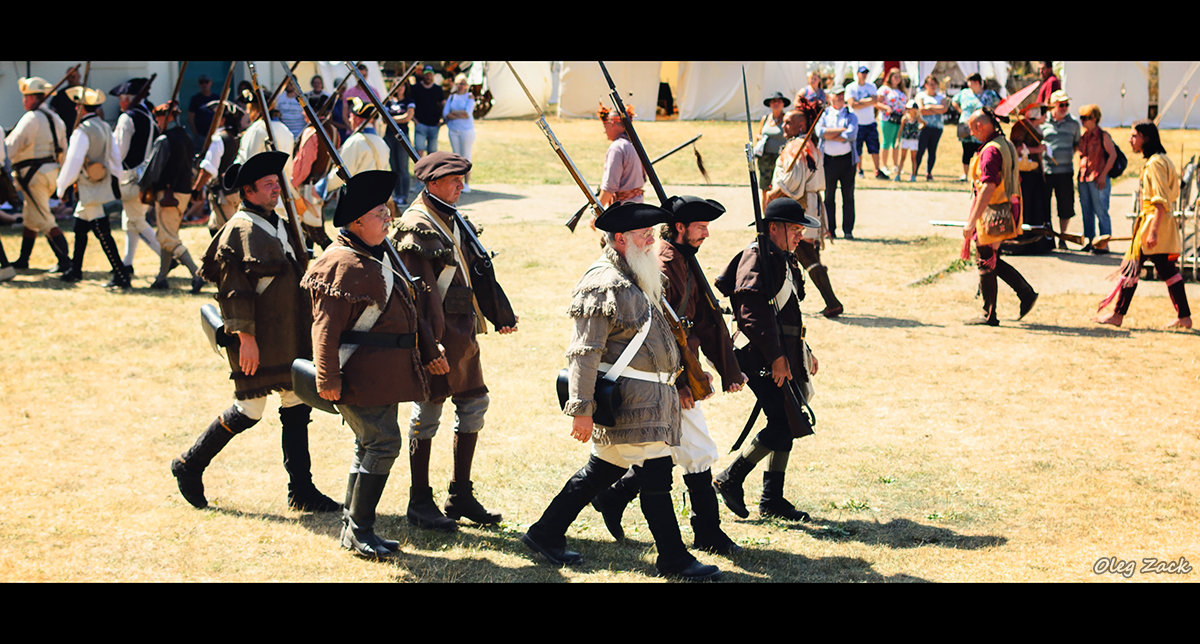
(323, 137)
(285, 193)
(327, 106)
(1044, 230)
(562, 156)
(800, 416)
(698, 382)
(390, 94)
(50, 93)
(218, 117)
(87, 72)
(574, 220)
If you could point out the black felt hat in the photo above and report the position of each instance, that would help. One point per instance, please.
(686, 209)
(630, 215)
(435, 165)
(255, 168)
(788, 210)
(131, 86)
(364, 191)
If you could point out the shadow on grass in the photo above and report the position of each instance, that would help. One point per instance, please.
(897, 533)
(1096, 331)
(878, 321)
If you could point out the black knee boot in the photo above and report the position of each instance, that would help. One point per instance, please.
(729, 485)
(611, 502)
(706, 518)
(103, 232)
(772, 503)
(1011, 276)
(358, 533)
(547, 536)
(987, 289)
(673, 557)
(302, 494)
(423, 512)
(820, 278)
(75, 273)
(189, 467)
(58, 244)
(27, 238)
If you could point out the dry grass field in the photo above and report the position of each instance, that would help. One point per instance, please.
(942, 453)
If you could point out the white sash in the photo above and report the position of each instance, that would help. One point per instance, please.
(614, 370)
(279, 232)
(447, 274)
(371, 314)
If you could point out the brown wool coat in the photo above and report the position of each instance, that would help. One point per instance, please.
(687, 294)
(279, 318)
(750, 293)
(456, 319)
(343, 284)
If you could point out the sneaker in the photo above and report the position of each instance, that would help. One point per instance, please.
(929, 176)
(879, 174)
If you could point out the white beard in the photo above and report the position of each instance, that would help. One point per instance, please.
(646, 271)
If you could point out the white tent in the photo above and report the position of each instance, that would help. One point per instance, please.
(1121, 89)
(508, 99)
(1178, 89)
(713, 90)
(582, 87)
(997, 69)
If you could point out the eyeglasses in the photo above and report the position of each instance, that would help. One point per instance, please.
(1086, 118)
(1063, 104)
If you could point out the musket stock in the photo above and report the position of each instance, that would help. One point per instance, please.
(285, 184)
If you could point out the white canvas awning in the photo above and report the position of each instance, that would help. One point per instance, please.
(1120, 88)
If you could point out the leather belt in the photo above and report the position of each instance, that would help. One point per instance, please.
(648, 376)
(388, 340)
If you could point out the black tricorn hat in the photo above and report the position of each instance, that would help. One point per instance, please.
(686, 209)
(255, 168)
(788, 210)
(131, 86)
(364, 191)
(435, 165)
(630, 215)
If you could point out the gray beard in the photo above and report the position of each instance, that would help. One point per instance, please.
(646, 271)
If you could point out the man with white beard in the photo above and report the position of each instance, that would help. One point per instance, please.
(620, 332)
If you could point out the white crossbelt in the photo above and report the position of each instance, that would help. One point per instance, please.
(621, 367)
(370, 315)
(279, 232)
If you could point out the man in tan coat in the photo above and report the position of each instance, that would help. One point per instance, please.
(35, 147)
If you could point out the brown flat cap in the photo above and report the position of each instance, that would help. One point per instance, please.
(435, 165)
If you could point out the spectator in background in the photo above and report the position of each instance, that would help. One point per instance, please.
(317, 97)
(401, 108)
(428, 98)
(459, 114)
(892, 102)
(932, 106)
(200, 116)
(357, 91)
(837, 129)
(770, 141)
(967, 101)
(1097, 153)
(1061, 134)
(1026, 137)
(862, 96)
(910, 134)
(290, 111)
(1050, 82)
(813, 93)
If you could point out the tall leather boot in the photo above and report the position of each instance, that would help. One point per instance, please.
(611, 502)
(422, 511)
(27, 238)
(358, 534)
(729, 485)
(189, 467)
(548, 535)
(461, 502)
(75, 272)
(772, 503)
(820, 278)
(706, 518)
(302, 494)
(987, 289)
(1011, 276)
(674, 560)
(103, 232)
(58, 244)
(394, 546)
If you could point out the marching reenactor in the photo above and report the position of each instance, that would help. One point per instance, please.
(167, 182)
(222, 150)
(689, 296)
(371, 347)
(133, 136)
(621, 332)
(309, 166)
(254, 140)
(90, 164)
(257, 274)
(35, 147)
(364, 150)
(776, 351)
(435, 250)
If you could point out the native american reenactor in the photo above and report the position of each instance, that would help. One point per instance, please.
(167, 182)
(688, 294)
(773, 351)
(134, 134)
(371, 347)
(800, 174)
(621, 333)
(35, 147)
(222, 150)
(90, 164)
(463, 294)
(256, 266)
